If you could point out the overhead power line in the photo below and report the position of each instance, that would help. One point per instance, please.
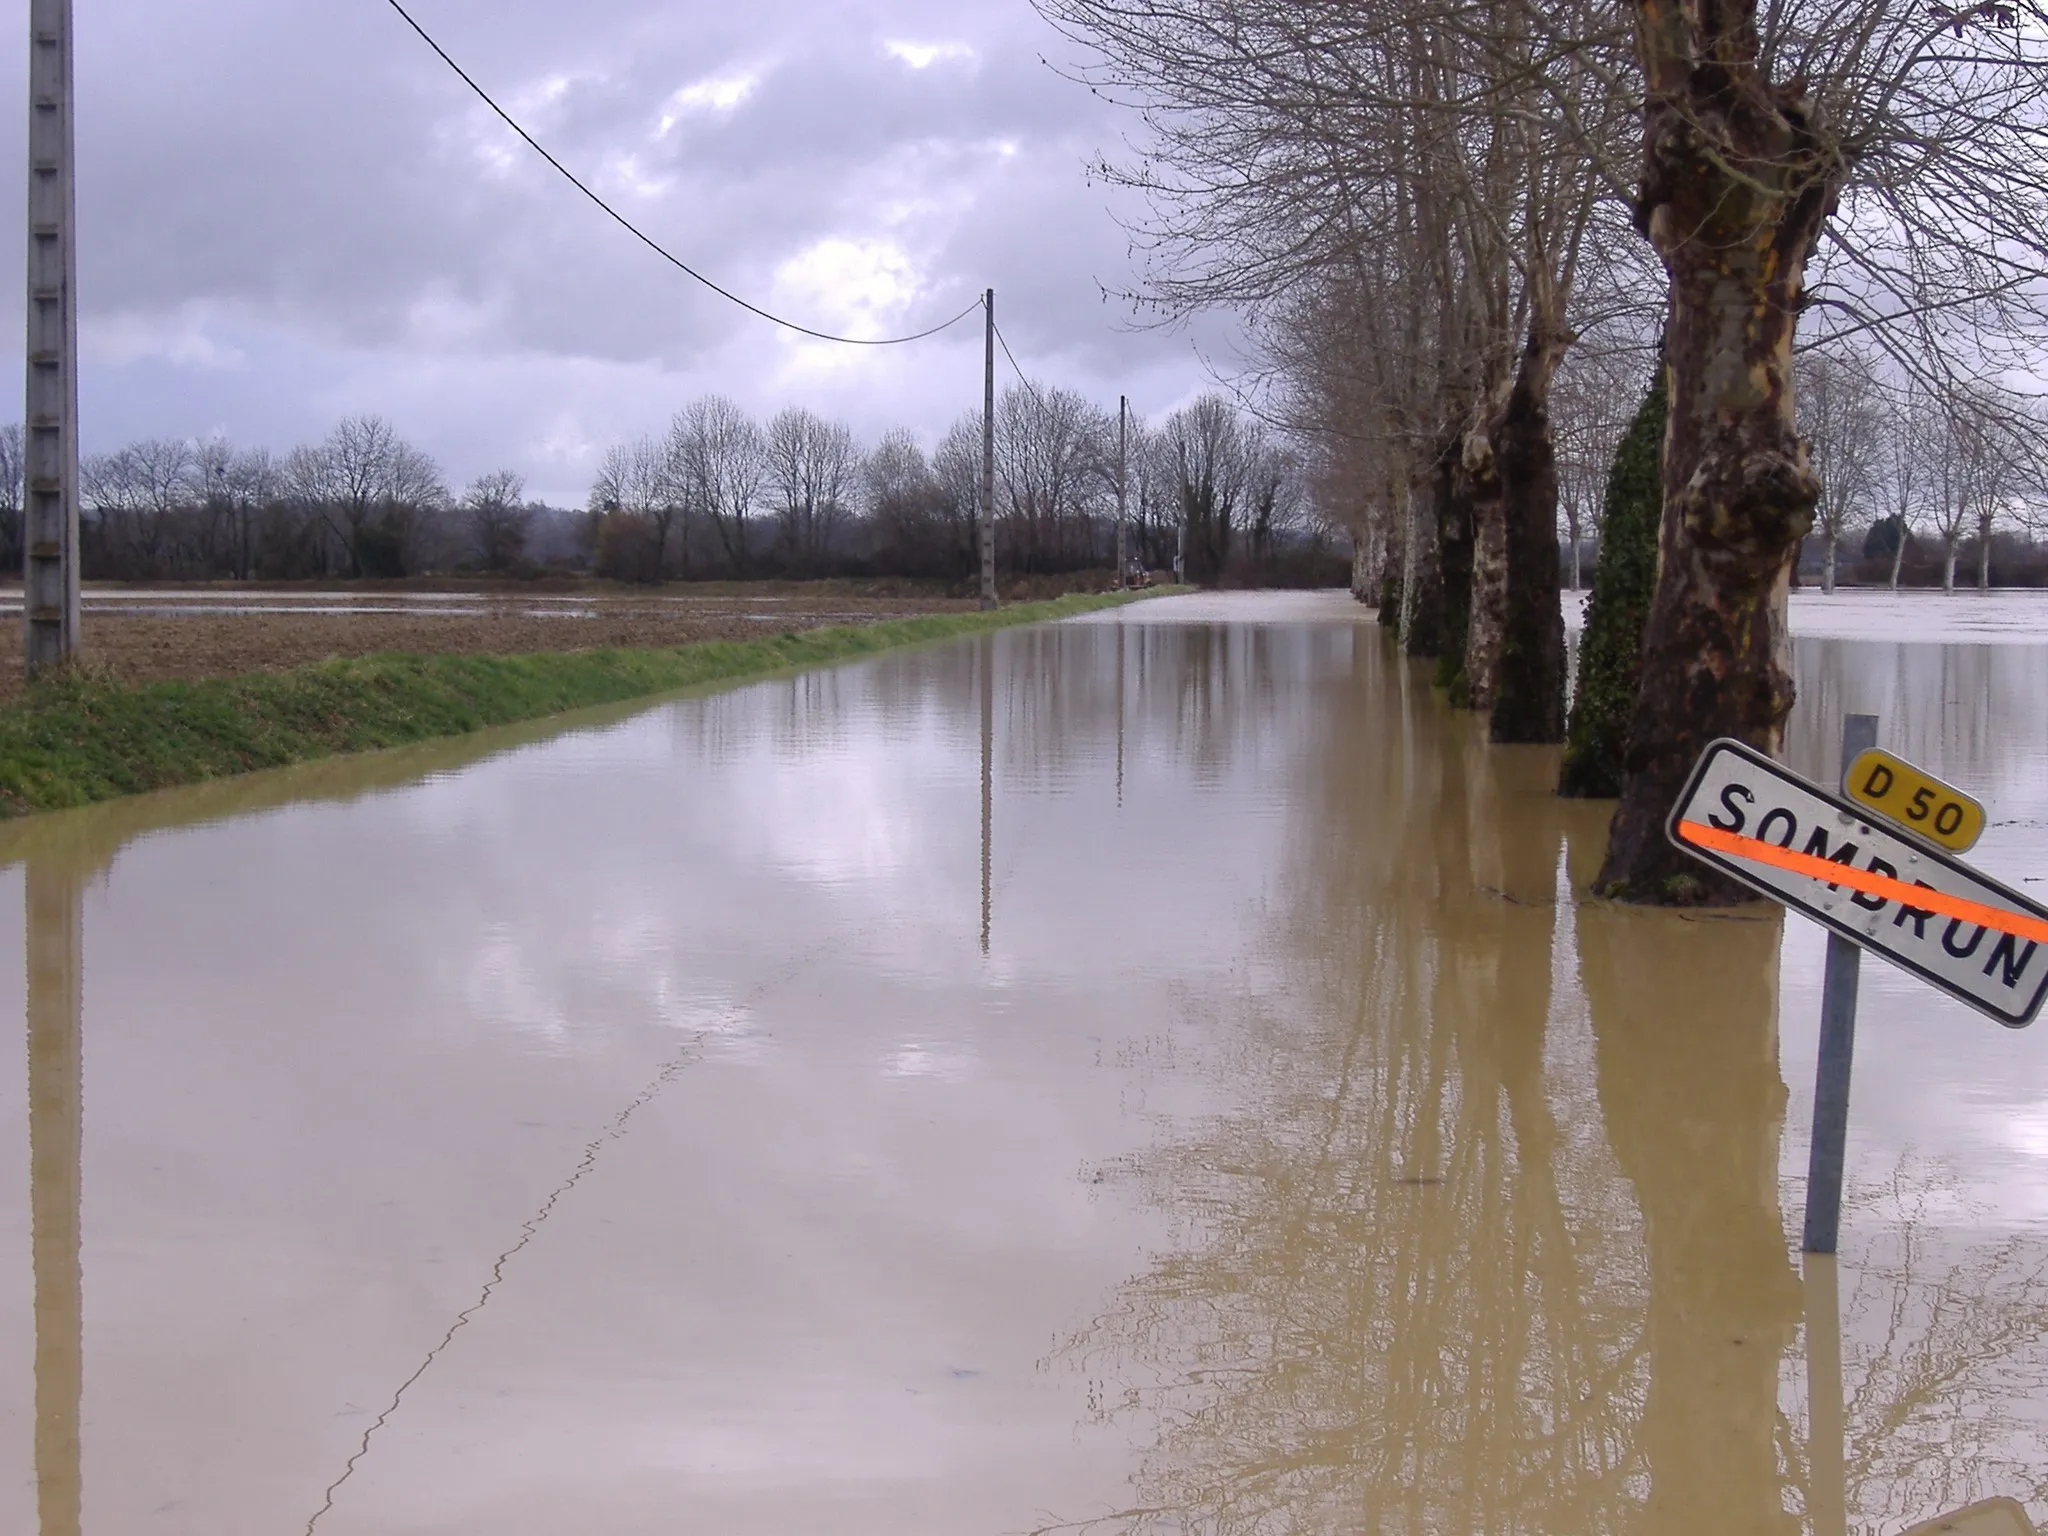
(653, 245)
(1021, 379)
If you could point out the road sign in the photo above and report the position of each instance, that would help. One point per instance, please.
(1918, 907)
(1992, 1517)
(1915, 799)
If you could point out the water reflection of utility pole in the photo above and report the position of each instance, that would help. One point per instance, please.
(55, 892)
(1827, 1487)
(988, 727)
(1119, 715)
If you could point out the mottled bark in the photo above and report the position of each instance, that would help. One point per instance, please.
(1452, 496)
(1738, 182)
(1486, 515)
(1899, 555)
(1422, 584)
(1529, 706)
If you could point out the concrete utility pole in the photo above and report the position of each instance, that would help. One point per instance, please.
(988, 454)
(50, 468)
(1123, 419)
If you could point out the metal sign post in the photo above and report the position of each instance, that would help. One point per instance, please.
(1871, 887)
(1837, 1050)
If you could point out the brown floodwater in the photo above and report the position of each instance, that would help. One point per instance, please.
(1156, 1074)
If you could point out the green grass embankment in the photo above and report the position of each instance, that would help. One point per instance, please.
(76, 740)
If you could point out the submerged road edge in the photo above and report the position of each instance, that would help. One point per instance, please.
(75, 741)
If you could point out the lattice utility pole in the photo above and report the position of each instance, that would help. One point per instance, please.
(50, 469)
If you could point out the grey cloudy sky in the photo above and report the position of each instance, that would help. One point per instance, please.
(293, 212)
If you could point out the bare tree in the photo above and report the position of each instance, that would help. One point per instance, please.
(1210, 461)
(495, 508)
(1894, 148)
(921, 525)
(159, 471)
(1050, 447)
(1909, 444)
(1410, 193)
(1596, 398)
(1840, 410)
(718, 458)
(813, 467)
(11, 462)
(375, 492)
(640, 503)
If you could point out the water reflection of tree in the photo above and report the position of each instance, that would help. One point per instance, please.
(1946, 1348)
(1335, 1350)
(1454, 1266)
(1977, 713)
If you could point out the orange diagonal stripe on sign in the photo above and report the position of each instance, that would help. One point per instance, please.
(1918, 897)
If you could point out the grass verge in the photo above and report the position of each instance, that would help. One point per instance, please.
(75, 740)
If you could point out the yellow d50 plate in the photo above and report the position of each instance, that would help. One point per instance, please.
(1910, 798)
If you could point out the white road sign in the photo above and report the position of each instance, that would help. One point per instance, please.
(1967, 934)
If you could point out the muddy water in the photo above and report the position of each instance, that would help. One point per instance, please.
(1135, 1076)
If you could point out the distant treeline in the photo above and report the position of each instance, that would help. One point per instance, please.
(717, 495)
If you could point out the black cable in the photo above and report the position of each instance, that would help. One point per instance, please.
(633, 230)
(1014, 368)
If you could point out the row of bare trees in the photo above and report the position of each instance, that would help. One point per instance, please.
(716, 494)
(364, 502)
(1901, 468)
(720, 493)
(1454, 222)
(1911, 463)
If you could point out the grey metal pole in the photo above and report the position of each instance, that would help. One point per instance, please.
(988, 453)
(1123, 414)
(1837, 1049)
(50, 467)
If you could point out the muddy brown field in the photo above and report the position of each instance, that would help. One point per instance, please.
(139, 634)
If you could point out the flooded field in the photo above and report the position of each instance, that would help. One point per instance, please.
(1155, 1074)
(145, 634)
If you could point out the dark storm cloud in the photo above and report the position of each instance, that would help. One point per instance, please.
(287, 212)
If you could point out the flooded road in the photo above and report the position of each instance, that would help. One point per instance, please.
(1148, 1075)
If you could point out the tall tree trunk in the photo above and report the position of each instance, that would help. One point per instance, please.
(1530, 704)
(1948, 564)
(1485, 514)
(1827, 571)
(1422, 575)
(1899, 554)
(1738, 183)
(1453, 494)
(1984, 555)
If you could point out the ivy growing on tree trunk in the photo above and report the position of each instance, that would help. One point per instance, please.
(1624, 580)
